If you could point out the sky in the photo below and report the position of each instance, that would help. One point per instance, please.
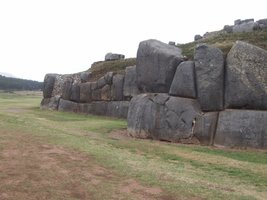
(67, 36)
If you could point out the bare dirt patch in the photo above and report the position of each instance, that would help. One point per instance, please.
(33, 169)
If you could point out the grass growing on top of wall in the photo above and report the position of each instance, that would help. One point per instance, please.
(99, 69)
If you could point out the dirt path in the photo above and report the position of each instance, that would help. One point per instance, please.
(33, 169)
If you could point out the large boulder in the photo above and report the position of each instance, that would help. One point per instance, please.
(205, 127)
(246, 77)
(48, 87)
(209, 66)
(242, 128)
(130, 88)
(156, 63)
(117, 87)
(162, 117)
(183, 84)
(113, 56)
(68, 106)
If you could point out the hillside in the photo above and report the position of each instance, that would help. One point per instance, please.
(225, 41)
(8, 83)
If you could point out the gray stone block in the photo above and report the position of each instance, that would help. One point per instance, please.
(130, 88)
(117, 87)
(48, 87)
(162, 117)
(242, 128)
(205, 127)
(68, 106)
(118, 109)
(85, 92)
(50, 103)
(246, 77)
(209, 66)
(156, 64)
(183, 84)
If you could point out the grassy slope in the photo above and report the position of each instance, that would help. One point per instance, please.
(184, 172)
(99, 69)
(226, 41)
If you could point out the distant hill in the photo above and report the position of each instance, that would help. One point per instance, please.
(7, 74)
(8, 83)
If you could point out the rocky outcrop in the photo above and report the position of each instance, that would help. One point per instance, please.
(162, 117)
(209, 66)
(243, 128)
(246, 77)
(156, 64)
(183, 84)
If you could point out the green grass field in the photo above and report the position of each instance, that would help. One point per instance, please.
(130, 168)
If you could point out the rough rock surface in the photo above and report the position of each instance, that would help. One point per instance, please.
(66, 89)
(246, 77)
(75, 93)
(85, 92)
(197, 37)
(130, 88)
(48, 87)
(85, 76)
(117, 87)
(183, 84)
(205, 127)
(242, 128)
(156, 63)
(209, 66)
(50, 103)
(117, 109)
(162, 117)
(68, 106)
(61, 79)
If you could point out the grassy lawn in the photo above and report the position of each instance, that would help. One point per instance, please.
(130, 168)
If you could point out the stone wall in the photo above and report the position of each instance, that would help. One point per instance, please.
(108, 96)
(212, 99)
(220, 101)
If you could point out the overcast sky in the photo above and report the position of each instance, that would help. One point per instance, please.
(67, 36)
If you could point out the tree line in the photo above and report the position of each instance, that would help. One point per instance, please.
(8, 83)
